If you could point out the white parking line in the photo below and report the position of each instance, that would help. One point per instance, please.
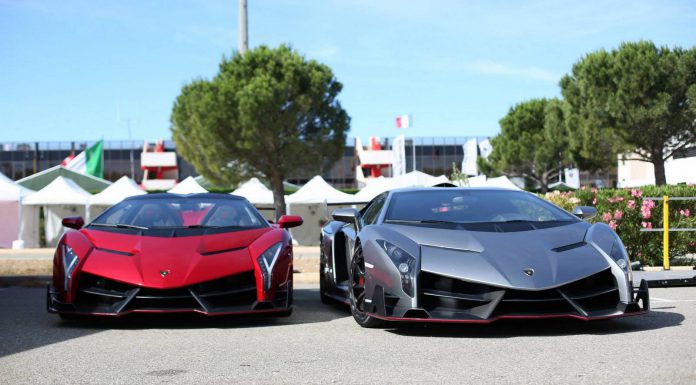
(671, 300)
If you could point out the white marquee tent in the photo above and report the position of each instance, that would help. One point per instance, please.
(255, 192)
(502, 182)
(318, 191)
(60, 198)
(19, 223)
(310, 202)
(411, 179)
(187, 186)
(119, 190)
(499, 182)
(374, 187)
(116, 192)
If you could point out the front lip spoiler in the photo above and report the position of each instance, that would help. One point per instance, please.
(639, 306)
(54, 306)
(490, 320)
(177, 311)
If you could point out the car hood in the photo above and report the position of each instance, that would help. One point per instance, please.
(164, 262)
(557, 255)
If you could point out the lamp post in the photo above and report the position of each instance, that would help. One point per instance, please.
(243, 45)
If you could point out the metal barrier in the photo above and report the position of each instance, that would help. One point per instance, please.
(665, 223)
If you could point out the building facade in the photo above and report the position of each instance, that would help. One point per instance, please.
(432, 155)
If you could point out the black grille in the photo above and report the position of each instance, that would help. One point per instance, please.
(445, 297)
(101, 295)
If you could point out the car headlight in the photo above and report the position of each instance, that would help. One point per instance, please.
(405, 263)
(266, 262)
(70, 262)
(620, 256)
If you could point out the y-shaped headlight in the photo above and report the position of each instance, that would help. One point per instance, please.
(620, 256)
(70, 262)
(404, 262)
(266, 262)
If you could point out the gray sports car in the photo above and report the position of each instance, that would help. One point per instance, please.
(474, 255)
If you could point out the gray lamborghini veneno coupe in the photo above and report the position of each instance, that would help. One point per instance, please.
(474, 255)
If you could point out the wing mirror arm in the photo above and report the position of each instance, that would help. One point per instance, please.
(348, 215)
(584, 212)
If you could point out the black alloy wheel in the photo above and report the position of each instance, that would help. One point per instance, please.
(357, 291)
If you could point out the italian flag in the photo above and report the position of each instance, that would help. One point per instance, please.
(404, 121)
(89, 161)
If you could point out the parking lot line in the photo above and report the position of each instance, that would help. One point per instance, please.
(671, 300)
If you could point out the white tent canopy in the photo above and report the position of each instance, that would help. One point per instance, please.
(310, 203)
(255, 192)
(414, 179)
(115, 193)
(477, 181)
(502, 182)
(374, 187)
(187, 186)
(18, 223)
(61, 198)
(62, 191)
(499, 182)
(318, 191)
(119, 190)
(411, 179)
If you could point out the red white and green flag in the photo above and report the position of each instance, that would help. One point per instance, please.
(404, 121)
(89, 161)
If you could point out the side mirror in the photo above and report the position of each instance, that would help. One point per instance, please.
(288, 221)
(348, 215)
(584, 212)
(73, 222)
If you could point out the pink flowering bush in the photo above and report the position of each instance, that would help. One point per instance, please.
(606, 217)
(627, 212)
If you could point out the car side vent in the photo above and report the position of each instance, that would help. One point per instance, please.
(416, 314)
(569, 247)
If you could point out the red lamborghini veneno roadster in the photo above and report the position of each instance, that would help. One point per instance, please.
(206, 253)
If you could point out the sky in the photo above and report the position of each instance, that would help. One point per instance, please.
(83, 70)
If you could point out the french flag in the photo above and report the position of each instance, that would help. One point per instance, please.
(404, 121)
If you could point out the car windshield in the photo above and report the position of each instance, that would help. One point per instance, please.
(178, 213)
(472, 206)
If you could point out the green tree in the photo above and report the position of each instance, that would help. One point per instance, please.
(637, 98)
(269, 112)
(532, 143)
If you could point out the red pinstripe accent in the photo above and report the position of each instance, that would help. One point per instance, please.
(213, 314)
(487, 321)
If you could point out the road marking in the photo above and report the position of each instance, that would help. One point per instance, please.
(671, 300)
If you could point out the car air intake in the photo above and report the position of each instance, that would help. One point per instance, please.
(102, 295)
(449, 298)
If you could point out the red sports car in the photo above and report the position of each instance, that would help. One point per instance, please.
(206, 253)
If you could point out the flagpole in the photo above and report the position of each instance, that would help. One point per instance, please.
(413, 142)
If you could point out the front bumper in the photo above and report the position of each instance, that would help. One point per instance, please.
(457, 307)
(230, 295)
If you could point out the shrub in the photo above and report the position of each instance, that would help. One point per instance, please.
(627, 212)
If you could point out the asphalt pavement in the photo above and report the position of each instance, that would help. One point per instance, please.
(322, 344)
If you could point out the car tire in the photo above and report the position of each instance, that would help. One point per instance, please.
(357, 292)
(68, 317)
(285, 313)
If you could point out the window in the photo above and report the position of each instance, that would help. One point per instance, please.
(472, 206)
(372, 212)
(181, 213)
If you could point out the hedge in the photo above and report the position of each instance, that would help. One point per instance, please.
(627, 212)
